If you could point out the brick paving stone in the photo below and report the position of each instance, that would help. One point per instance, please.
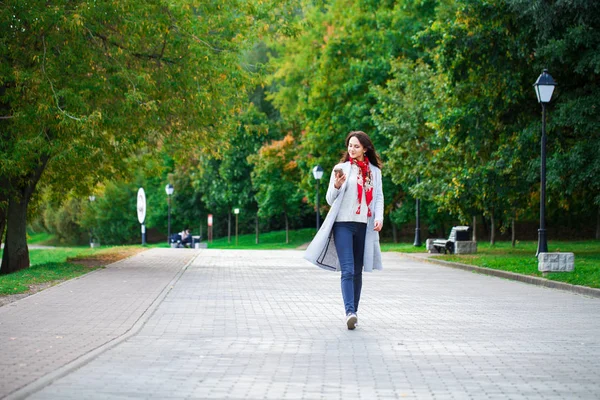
(52, 328)
(268, 325)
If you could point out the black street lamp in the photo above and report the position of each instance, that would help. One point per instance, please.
(92, 198)
(169, 189)
(544, 87)
(236, 211)
(417, 242)
(318, 174)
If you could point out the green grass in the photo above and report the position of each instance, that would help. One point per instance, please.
(20, 281)
(47, 265)
(268, 241)
(402, 247)
(52, 265)
(41, 238)
(522, 260)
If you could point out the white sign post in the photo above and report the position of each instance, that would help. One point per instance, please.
(141, 212)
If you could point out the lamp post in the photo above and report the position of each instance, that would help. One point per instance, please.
(417, 241)
(544, 87)
(169, 189)
(318, 174)
(236, 211)
(92, 198)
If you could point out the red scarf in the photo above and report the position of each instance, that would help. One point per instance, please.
(364, 180)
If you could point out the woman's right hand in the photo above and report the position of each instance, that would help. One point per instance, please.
(340, 178)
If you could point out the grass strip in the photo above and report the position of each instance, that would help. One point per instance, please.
(22, 281)
(267, 241)
(50, 266)
(521, 259)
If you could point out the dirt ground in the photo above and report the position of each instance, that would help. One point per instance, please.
(99, 259)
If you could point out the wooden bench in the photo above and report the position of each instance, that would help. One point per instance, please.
(457, 234)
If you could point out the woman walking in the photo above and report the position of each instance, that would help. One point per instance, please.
(348, 240)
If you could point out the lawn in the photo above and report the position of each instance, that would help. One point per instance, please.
(521, 259)
(267, 241)
(59, 264)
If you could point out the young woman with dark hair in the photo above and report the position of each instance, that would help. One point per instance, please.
(348, 240)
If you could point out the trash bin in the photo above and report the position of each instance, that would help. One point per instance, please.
(195, 242)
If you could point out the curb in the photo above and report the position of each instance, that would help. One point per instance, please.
(533, 280)
(84, 359)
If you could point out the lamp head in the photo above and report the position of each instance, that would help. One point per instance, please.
(169, 189)
(317, 172)
(544, 87)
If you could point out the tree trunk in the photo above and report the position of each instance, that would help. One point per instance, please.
(492, 230)
(3, 216)
(474, 238)
(256, 228)
(3, 207)
(395, 232)
(287, 230)
(229, 227)
(16, 254)
(512, 232)
(444, 233)
(598, 225)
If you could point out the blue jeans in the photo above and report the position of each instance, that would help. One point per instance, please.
(349, 240)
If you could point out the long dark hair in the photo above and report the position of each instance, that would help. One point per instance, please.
(366, 142)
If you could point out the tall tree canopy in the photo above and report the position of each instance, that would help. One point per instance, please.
(85, 83)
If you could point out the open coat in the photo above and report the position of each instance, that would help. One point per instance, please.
(321, 250)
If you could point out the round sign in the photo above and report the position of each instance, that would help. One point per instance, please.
(141, 205)
(210, 219)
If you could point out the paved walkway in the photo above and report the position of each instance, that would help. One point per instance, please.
(266, 324)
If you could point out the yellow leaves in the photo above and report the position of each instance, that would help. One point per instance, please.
(456, 183)
(330, 32)
(290, 166)
(77, 20)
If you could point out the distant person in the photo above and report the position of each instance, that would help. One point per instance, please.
(348, 240)
(186, 237)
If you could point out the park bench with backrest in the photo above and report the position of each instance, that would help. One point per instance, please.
(457, 234)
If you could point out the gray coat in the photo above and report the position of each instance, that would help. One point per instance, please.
(321, 250)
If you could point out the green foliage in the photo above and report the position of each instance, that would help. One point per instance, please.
(84, 86)
(275, 177)
(64, 221)
(112, 217)
(323, 78)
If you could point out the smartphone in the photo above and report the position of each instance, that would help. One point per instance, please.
(338, 172)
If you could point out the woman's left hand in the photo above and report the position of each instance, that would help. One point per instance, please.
(378, 226)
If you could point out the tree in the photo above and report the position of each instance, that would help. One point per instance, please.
(323, 78)
(567, 42)
(84, 85)
(484, 56)
(275, 178)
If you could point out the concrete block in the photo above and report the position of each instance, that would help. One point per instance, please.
(429, 245)
(465, 247)
(556, 262)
